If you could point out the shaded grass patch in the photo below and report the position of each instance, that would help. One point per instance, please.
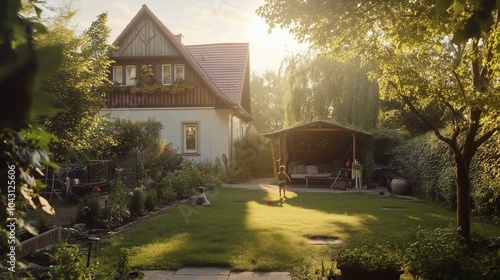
(242, 231)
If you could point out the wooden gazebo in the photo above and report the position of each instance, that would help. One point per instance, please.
(319, 142)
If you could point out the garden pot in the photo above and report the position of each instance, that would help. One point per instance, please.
(400, 186)
(358, 273)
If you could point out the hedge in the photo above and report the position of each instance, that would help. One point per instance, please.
(428, 164)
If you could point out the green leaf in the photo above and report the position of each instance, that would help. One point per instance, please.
(44, 104)
(442, 6)
(31, 229)
(476, 3)
(38, 11)
(438, 48)
(46, 206)
(458, 7)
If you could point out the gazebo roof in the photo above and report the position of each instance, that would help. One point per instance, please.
(324, 126)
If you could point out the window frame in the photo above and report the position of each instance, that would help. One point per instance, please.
(185, 150)
(132, 79)
(183, 72)
(120, 81)
(163, 74)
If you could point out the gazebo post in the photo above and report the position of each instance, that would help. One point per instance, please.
(353, 146)
(274, 160)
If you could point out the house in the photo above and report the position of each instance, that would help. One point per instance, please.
(200, 93)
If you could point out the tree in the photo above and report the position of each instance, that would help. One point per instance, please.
(324, 88)
(268, 102)
(424, 51)
(76, 82)
(135, 142)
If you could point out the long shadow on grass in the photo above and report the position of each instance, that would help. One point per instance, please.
(381, 216)
(218, 235)
(241, 229)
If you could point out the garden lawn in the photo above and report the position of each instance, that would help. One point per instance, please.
(243, 231)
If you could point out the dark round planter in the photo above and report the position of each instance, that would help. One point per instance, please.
(400, 186)
(356, 273)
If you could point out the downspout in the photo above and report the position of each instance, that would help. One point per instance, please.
(230, 142)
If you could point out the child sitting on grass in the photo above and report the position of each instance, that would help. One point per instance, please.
(200, 198)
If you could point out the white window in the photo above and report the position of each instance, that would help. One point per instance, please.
(179, 72)
(166, 74)
(118, 74)
(130, 75)
(191, 136)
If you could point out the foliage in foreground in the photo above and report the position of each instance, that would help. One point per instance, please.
(441, 254)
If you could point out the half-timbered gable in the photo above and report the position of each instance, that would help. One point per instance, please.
(145, 39)
(201, 90)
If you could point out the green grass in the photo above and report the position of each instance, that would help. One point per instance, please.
(240, 230)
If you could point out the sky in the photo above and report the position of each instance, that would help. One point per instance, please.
(200, 22)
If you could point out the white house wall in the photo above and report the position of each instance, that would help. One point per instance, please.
(213, 125)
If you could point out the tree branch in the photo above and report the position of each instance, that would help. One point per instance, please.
(486, 136)
(410, 105)
(462, 89)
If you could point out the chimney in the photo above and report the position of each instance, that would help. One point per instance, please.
(179, 38)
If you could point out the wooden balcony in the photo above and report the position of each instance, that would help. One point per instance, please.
(136, 97)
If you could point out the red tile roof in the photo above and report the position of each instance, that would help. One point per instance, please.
(225, 64)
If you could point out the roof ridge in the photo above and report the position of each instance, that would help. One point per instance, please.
(212, 44)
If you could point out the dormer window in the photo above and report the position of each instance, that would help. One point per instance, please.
(179, 72)
(130, 72)
(166, 74)
(118, 74)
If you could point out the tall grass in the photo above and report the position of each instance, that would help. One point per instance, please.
(254, 230)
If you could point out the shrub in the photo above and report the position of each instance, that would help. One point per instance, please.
(68, 263)
(123, 267)
(136, 203)
(41, 224)
(88, 210)
(370, 258)
(116, 211)
(167, 160)
(164, 189)
(185, 181)
(252, 158)
(487, 197)
(437, 254)
(384, 142)
(212, 173)
(150, 200)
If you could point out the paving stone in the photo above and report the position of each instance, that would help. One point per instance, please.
(260, 275)
(158, 274)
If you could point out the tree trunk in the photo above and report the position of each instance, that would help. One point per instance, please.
(462, 181)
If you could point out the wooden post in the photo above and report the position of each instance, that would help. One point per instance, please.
(353, 147)
(274, 160)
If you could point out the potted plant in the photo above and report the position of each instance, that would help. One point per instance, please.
(369, 263)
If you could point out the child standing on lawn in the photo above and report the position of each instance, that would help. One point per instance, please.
(282, 178)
